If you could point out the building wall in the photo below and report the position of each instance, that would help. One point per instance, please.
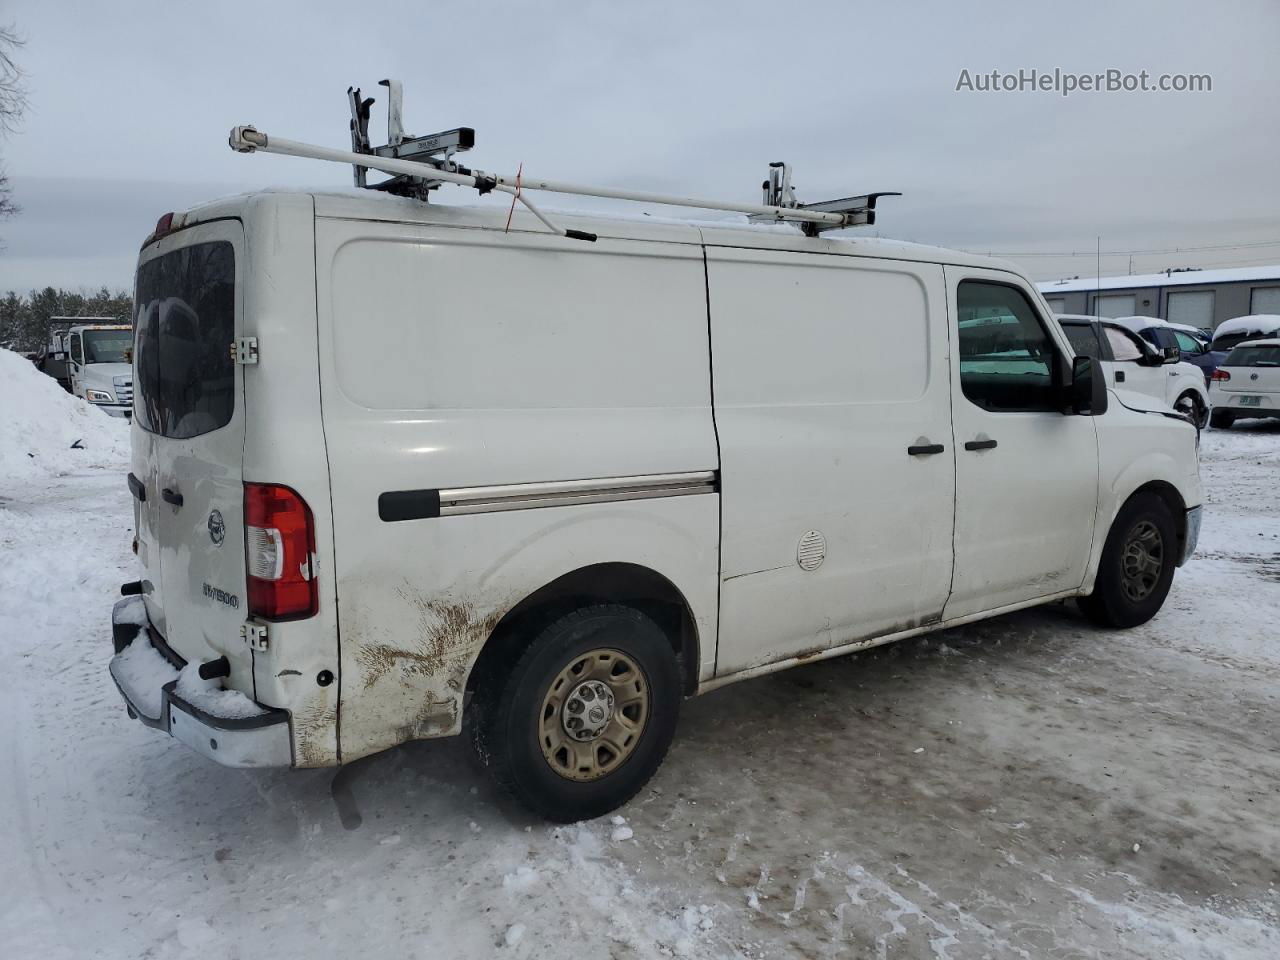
(1229, 299)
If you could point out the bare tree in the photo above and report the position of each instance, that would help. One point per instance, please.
(13, 103)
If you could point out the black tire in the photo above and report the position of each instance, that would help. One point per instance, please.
(1127, 592)
(507, 710)
(1199, 412)
(1221, 419)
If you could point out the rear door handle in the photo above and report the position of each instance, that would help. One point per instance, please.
(137, 489)
(171, 496)
(979, 444)
(925, 449)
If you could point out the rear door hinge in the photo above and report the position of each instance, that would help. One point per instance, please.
(246, 350)
(254, 635)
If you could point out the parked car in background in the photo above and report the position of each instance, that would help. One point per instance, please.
(1134, 363)
(1191, 343)
(1247, 385)
(1255, 326)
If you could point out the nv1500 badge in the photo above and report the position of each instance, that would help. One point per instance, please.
(217, 529)
(230, 599)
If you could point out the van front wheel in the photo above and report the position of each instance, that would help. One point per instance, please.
(1137, 564)
(583, 718)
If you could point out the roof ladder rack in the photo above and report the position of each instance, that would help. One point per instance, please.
(858, 211)
(418, 165)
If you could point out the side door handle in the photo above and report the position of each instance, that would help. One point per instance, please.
(979, 444)
(925, 449)
(171, 496)
(137, 489)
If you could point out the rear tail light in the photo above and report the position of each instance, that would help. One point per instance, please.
(279, 546)
(1221, 375)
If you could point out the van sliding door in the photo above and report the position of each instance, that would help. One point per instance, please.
(834, 417)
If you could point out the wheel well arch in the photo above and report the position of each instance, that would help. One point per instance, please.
(617, 582)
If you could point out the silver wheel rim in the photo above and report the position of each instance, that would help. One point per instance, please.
(1141, 561)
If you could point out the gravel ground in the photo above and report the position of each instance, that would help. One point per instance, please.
(1027, 787)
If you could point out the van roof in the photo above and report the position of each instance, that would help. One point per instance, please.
(735, 231)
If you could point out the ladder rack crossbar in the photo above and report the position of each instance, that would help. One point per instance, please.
(247, 139)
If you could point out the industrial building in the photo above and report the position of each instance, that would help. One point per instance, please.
(1201, 298)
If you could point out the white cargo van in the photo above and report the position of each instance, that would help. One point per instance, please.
(399, 471)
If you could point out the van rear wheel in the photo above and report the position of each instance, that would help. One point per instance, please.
(1137, 564)
(584, 717)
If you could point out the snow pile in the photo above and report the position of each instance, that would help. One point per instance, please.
(208, 696)
(44, 431)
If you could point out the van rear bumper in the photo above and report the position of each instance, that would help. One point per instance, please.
(258, 741)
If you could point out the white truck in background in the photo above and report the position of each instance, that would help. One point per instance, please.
(92, 357)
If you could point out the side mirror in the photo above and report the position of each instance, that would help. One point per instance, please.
(1152, 356)
(1172, 354)
(1088, 391)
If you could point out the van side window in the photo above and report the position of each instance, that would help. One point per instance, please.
(1124, 346)
(1007, 359)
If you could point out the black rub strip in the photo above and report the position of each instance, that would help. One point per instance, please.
(408, 505)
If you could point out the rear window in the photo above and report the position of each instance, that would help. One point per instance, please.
(1266, 356)
(185, 327)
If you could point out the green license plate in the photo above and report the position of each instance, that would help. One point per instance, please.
(1250, 401)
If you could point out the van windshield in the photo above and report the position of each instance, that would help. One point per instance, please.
(185, 323)
(107, 346)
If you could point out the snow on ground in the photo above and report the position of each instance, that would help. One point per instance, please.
(1026, 787)
(44, 431)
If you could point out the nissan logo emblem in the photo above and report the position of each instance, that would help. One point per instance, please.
(217, 529)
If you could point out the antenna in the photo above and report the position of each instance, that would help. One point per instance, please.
(418, 165)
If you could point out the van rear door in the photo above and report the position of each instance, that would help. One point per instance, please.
(188, 450)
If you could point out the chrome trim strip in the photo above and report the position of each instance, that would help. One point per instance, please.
(530, 496)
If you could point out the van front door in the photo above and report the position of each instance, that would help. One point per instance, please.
(1026, 473)
(837, 474)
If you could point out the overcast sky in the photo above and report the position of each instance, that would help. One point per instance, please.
(131, 104)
